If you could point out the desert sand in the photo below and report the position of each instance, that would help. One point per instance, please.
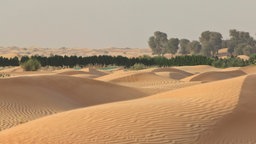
(187, 105)
(30, 51)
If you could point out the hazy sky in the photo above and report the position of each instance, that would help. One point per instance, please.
(117, 23)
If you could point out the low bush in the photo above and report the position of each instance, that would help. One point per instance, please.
(138, 66)
(31, 65)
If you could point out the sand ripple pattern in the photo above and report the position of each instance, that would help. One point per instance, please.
(181, 116)
(151, 83)
(23, 99)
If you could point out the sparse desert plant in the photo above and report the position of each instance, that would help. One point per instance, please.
(77, 67)
(4, 75)
(22, 120)
(138, 66)
(31, 65)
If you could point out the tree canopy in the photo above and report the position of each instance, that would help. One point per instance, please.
(240, 43)
(158, 43)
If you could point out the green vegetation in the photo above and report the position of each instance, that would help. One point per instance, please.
(77, 67)
(158, 43)
(108, 68)
(4, 75)
(211, 42)
(252, 59)
(230, 62)
(240, 43)
(31, 65)
(9, 61)
(138, 66)
(184, 46)
(35, 62)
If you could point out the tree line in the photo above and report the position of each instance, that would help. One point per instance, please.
(209, 43)
(104, 60)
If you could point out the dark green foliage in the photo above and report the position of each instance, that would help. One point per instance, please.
(31, 65)
(9, 61)
(35, 62)
(71, 61)
(252, 59)
(230, 62)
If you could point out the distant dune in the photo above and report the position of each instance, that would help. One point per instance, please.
(128, 52)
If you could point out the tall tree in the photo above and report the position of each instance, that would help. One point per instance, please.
(184, 48)
(211, 43)
(158, 43)
(241, 43)
(195, 47)
(173, 45)
(152, 44)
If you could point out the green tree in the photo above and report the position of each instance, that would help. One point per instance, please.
(195, 47)
(241, 43)
(211, 43)
(152, 44)
(173, 45)
(184, 46)
(158, 43)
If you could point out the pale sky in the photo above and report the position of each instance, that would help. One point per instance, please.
(117, 23)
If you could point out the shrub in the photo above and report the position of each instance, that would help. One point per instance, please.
(229, 62)
(31, 65)
(253, 59)
(77, 67)
(3, 75)
(138, 66)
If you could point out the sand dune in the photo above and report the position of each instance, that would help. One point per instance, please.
(26, 98)
(249, 69)
(173, 73)
(150, 82)
(12, 70)
(128, 52)
(197, 69)
(89, 70)
(187, 115)
(239, 126)
(217, 75)
(122, 73)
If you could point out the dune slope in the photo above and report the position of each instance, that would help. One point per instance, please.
(197, 69)
(184, 115)
(151, 82)
(249, 69)
(238, 126)
(174, 73)
(217, 75)
(26, 98)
